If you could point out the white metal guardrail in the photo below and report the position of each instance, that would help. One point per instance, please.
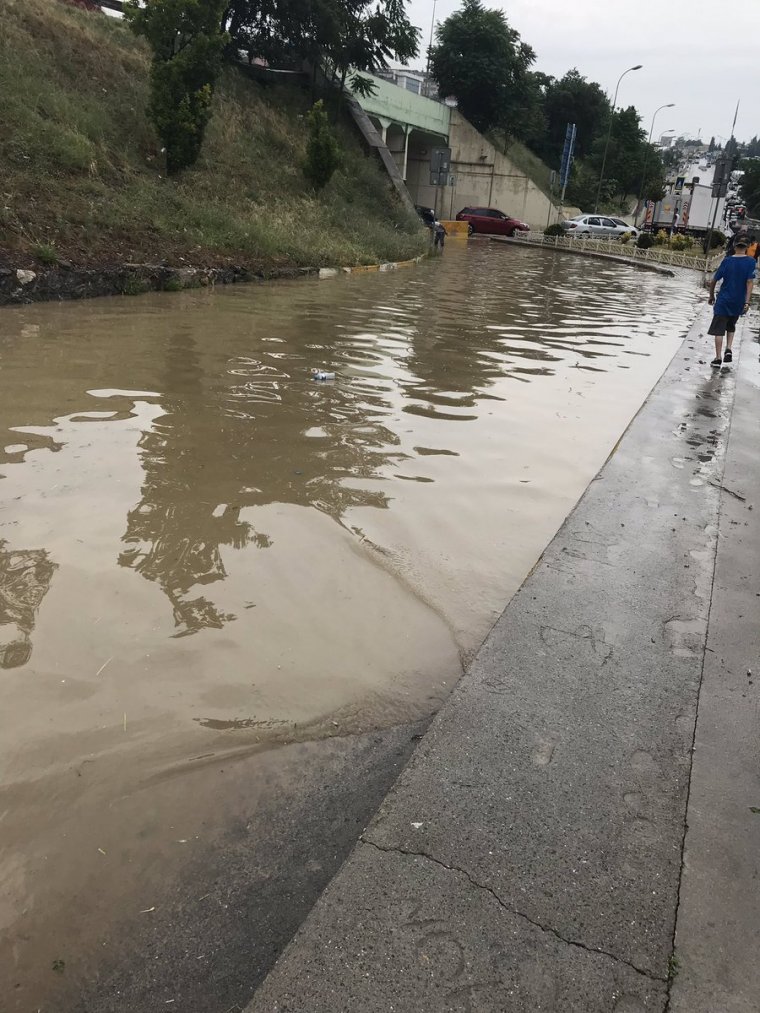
(695, 260)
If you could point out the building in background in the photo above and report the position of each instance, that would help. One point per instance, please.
(415, 81)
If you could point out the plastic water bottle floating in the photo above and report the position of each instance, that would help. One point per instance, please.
(322, 374)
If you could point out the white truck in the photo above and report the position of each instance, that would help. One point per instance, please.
(690, 211)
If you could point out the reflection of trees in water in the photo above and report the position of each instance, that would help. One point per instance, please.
(458, 347)
(25, 577)
(532, 311)
(251, 437)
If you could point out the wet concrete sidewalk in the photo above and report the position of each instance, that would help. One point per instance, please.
(531, 856)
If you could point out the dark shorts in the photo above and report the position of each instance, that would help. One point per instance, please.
(721, 324)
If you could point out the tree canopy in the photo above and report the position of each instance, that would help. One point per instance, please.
(573, 99)
(347, 35)
(749, 187)
(483, 61)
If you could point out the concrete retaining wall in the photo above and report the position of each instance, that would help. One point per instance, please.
(483, 177)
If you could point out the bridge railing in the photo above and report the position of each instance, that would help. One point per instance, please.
(694, 259)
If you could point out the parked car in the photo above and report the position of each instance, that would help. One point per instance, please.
(600, 226)
(491, 221)
(626, 227)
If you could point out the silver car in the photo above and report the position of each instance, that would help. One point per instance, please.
(600, 226)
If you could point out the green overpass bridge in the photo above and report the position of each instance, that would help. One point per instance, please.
(406, 121)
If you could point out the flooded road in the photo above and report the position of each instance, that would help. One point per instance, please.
(204, 553)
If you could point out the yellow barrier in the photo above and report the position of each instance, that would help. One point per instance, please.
(455, 230)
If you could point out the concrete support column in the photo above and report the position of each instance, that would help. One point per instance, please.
(407, 131)
(384, 124)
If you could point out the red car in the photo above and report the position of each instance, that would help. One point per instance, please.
(491, 220)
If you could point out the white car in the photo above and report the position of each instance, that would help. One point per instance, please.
(600, 226)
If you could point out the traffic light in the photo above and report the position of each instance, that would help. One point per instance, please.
(720, 179)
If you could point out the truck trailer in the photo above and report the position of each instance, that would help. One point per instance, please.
(691, 211)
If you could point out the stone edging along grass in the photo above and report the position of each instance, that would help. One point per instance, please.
(64, 281)
(394, 265)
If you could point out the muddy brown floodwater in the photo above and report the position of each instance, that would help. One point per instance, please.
(204, 553)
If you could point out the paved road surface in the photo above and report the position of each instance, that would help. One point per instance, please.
(530, 856)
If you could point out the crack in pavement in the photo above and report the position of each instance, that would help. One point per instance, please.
(513, 911)
(724, 488)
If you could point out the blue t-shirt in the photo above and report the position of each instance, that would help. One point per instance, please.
(734, 272)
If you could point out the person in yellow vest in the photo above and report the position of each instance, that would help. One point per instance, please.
(754, 247)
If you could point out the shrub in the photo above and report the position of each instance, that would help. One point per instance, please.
(554, 230)
(679, 242)
(662, 238)
(645, 240)
(183, 75)
(45, 253)
(322, 151)
(625, 238)
(135, 286)
(717, 239)
(173, 285)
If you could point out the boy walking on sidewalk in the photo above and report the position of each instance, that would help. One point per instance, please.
(736, 274)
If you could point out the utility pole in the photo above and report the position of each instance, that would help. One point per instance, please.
(646, 157)
(609, 134)
(430, 46)
(720, 183)
(719, 189)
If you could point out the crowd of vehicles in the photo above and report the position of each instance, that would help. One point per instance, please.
(689, 209)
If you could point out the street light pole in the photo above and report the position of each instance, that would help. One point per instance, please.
(609, 133)
(669, 105)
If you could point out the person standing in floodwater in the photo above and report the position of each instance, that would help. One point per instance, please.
(736, 275)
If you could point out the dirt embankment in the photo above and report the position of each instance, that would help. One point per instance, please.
(84, 192)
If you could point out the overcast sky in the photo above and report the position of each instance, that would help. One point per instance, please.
(701, 55)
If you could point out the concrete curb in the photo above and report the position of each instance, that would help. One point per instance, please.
(393, 265)
(629, 261)
(530, 855)
(718, 934)
(66, 282)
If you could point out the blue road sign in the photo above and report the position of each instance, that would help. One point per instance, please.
(567, 155)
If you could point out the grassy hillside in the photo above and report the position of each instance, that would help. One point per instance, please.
(80, 166)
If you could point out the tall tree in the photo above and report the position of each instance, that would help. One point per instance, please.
(531, 125)
(628, 156)
(626, 151)
(749, 187)
(187, 40)
(654, 181)
(573, 99)
(481, 60)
